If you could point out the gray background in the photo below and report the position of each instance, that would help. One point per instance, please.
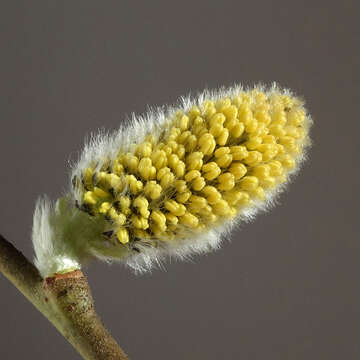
(287, 286)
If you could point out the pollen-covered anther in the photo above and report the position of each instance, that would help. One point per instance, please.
(175, 208)
(212, 194)
(146, 170)
(211, 170)
(223, 157)
(165, 176)
(226, 181)
(142, 204)
(123, 236)
(139, 222)
(189, 220)
(152, 190)
(135, 185)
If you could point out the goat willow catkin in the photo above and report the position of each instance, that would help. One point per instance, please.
(172, 182)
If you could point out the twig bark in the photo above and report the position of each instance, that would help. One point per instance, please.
(65, 300)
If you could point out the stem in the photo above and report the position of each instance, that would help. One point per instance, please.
(65, 300)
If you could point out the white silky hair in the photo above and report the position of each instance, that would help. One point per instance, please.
(66, 238)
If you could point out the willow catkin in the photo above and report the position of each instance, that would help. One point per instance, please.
(172, 182)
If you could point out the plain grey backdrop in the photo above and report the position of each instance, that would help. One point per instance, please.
(287, 285)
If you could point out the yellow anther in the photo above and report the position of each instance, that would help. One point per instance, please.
(238, 198)
(157, 230)
(90, 198)
(167, 180)
(125, 203)
(224, 161)
(198, 183)
(115, 182)
(180, 186)
(173, 134)
(141, 234)
(88, 177)
(194, 112)
(208, 109)
(223, 137)
(226, 181)
(207, 143)
(191, 143)
(152, 190)
(277, 130)
(249, 183)
(261, 171)
(166, 177)
(142, 204)
(253, 143)
(251, 126)
(233, 196)
(104, 208)
(131, 162)
(118, 168)
(269, 151)
(289, 142)
(198, 201)
(239, 152)
(259, 193)
(211, 170)
(276, 168)
(189, 219)
(238, 170)
(134, 184)
(144, 149)
(159, 158)
(146, 170)
(99, 193)
(293, 131)
(171, 219)
(269, 139)
(222, 103)
(222, 151)
(180, 152)
(279, 117)
(120, 219)
(183, 137)
(158, 217)
(139, 222)
(183, 197)
(180, 169)
(173, 145)
(221, 208)
(191, 175)
(253, 158)
(184, 123)
(112, 213)
(287, 161)
(296, 117)
(261, 130)
(217, 119)
(173, 161)
(123, 236)
(212, 194)
(237, 130)
(175, 208)
(194, 161)
(230, 112)
(268, 182)
(216, 130)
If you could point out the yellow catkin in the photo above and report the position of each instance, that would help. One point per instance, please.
(209, 163)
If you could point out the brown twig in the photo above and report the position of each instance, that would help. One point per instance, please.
(66, 301)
